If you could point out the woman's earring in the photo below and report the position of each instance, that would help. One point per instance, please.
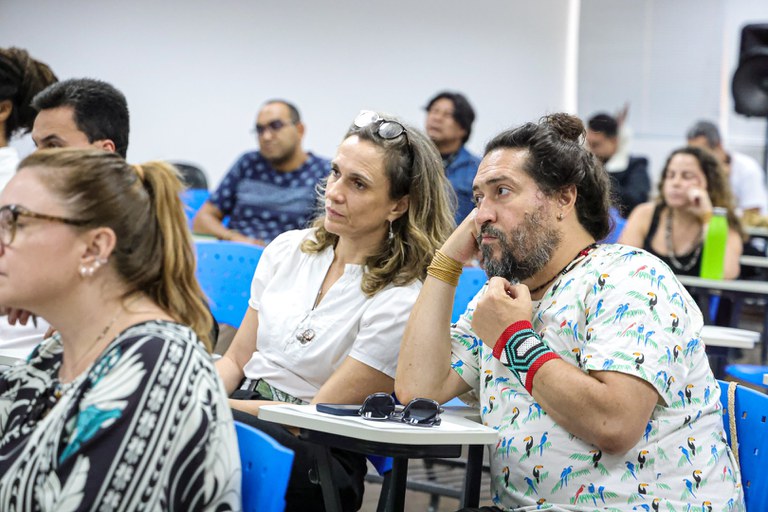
(89, 271)
(559, 216)
(391, 234)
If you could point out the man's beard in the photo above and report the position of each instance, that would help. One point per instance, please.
(524, 252)
(284, 156)
(280, 159)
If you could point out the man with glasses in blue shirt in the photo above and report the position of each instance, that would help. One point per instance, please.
(269, 191)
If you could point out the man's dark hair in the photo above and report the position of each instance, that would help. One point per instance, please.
(463, 113)
(557, 159)
(603, 123)
(292, 110)
(707, 130)
(100, 110)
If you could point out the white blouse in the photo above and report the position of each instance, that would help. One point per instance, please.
(9, 160)
(298, 347)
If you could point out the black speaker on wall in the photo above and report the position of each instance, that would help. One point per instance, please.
(750, 81)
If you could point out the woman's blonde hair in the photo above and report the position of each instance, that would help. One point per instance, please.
(153, 252)
(414, 168)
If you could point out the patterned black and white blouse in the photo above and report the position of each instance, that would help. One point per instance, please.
(147, 427)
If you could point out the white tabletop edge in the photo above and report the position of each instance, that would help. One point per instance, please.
(305, 416)
(735, 285)
(718, 336)
(754, 261)
(756, 230)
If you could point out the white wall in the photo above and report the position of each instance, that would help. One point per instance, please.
(195, 72)
(673, 62)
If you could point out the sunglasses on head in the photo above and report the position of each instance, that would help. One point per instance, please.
(386, 129)
(422, 412)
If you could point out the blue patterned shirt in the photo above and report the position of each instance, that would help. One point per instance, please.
(263, 202)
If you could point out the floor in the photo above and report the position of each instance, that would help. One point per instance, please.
(414, 501)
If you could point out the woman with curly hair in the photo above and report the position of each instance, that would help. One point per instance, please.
(673, 227)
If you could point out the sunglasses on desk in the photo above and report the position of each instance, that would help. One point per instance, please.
(422, 412)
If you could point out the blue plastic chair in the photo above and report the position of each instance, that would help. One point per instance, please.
(618, 222)
(470, 282)
(193, 199)
(752, 432)
(752, 373)
(266, 470)
(225, 271)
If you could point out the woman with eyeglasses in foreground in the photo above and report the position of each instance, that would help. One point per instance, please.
(122, 407)
(329, 304)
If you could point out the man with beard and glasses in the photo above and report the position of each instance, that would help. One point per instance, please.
(268, 191)
(586, 358)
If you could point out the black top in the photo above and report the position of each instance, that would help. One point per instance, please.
(684, 260)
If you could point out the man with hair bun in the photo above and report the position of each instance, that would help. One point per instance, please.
(586, 358)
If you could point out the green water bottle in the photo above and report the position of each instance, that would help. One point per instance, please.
(715, 240)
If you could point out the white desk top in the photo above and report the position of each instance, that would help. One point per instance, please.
(735, 285)
(456, 427)
(717, 336)
(756, 230)
(754, 261)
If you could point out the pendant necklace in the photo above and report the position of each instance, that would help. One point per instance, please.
(61, 387)
(685, 267)
(576, 259)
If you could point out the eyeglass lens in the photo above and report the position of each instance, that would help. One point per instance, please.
(378, 406)
(422, 411)
(7, 225)
(387, 129)
(273, 126)
(419, 411)
(390, 130)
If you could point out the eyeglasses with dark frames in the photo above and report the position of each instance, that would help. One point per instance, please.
(386, 129)
(423, 412)
(273, 126)
(9, 217)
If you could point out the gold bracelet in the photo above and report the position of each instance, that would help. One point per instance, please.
(445, 268)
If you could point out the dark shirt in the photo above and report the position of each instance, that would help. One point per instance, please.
(632, 185)
(684, 260)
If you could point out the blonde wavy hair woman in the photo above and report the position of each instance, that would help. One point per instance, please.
(122, 406)
(329, 304)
